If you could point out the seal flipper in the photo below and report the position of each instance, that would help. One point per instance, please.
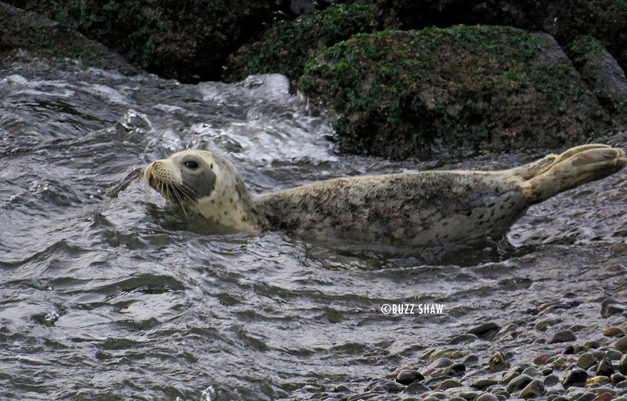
(576, 166)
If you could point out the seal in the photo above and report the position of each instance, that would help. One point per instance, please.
(419, 209)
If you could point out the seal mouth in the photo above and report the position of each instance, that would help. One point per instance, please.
(172, 191)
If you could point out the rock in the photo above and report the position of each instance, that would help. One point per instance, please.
(563, 336)
(605, 390)
(533, 390)
(613, 355)
(483, 383)
(498, 363)
(531, 371)
(586, 361)
(416, 388)
(598, 380)
(617, 378)
(469, 395)
(464, 338)
(604, 368)
(471, 361)
(518, 383)
(407, 377)
(450, 383)
(611, 307)
(576, 377)
(440, 363)
(621, 345)
(547, 371)
(508, 377)
(541, 359)
(603, 397)
(543, 325)
(622, 366)
(454, 370)
(569, 350)
(487, 397)
(402, 112)
(485, 331)
(613, 332)
(551, 380)
(587, 397)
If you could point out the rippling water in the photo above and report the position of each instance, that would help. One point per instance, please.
(105, 295)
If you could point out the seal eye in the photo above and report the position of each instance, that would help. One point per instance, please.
(190, 164)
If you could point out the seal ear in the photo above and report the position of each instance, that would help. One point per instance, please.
(197, 175)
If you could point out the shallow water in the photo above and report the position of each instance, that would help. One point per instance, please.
(106, 295)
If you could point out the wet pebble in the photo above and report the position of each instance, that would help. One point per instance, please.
(407, 377)
(551, 380)
(486, 330)
(464, 338)
(483, 383)
(533, 390)
(471, 361)
(487, 397)
(586, 361)
(604, 368)
(617, 378)
(613, 332)
(416, 388)
(440, 363)
(587, 397)
(563, 336)
(611, 307)
(450, 383)
(621, 345)
(598, 380)
(603, 397)
(569, 350)
(613, 355)
(518, 383)
(622, 366)
(531, 371)
(541, 359)
(576, 377)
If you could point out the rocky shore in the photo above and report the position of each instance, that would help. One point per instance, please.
(546, 362)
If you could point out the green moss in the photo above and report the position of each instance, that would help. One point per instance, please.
(286, 47)
(401, 92)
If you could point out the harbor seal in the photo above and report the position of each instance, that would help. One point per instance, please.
(419, 209)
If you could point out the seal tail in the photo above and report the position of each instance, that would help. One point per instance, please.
(576, 166)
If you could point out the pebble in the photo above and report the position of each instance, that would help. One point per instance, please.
(613, 355)
(450, 383)
(613, 332)
(508, 377)
(483, 383)
(454, 370)
(518, 383)
(498, 363)
(486, 330)
(541, 359)
(587, 397)
(464, 338)
(551, 380)
(622, 366)
(563, 336)
(531, 371)
(605, 390)
(576, 377)
(604, 368)
(487, 397)
(440, 363)
(569, 350)
(611, 307)
(469, 395)
(598, 380)
(533, 390)
(543, 325)
(416, 388)
(603, 397)
(407, 377)
(586, 361)
(471, 361)
(621, 345)
(617, 378)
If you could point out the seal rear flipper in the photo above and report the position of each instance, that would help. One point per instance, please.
(570, 169)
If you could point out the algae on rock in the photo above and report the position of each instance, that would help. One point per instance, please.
(410, 93)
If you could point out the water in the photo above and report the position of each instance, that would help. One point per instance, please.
(104, 295)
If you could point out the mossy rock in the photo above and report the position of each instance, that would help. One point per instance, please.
(187, 40)
(402, 94)
(286, 46)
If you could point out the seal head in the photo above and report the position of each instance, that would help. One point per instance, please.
(207, 184)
